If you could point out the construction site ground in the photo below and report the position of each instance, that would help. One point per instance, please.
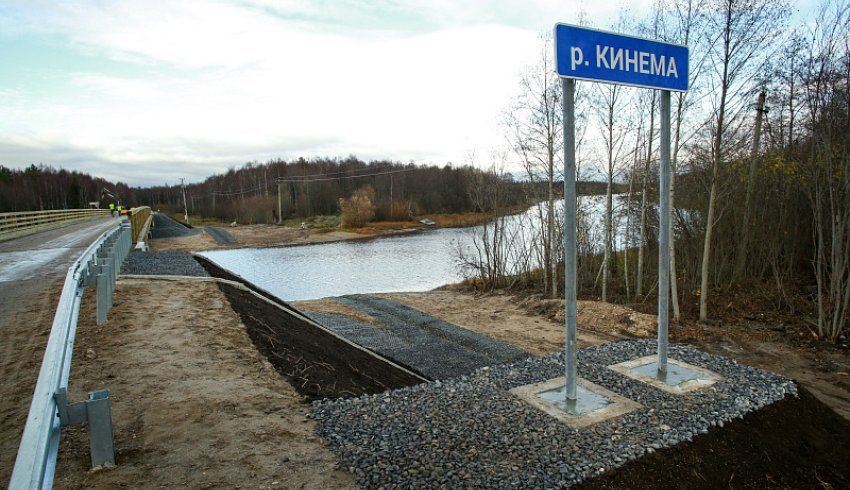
(195, 404)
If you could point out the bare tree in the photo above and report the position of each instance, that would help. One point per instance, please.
(534, 131)
(609, 111)
(827, 95)
(686, 28)
(744, 28)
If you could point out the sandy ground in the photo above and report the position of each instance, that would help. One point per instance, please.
(193, 402)
(507, 318)
(257, 236)
(825, 371)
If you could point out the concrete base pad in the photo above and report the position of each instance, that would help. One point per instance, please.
(680, 377)
(593, 403)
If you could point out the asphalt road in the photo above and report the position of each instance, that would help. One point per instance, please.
(32, 272)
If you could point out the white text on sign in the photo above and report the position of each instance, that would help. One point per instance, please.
(628, 60)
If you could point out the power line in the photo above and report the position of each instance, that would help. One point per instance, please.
(310, 178)
(305, 179)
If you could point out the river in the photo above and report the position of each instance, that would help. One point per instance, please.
(419, 261)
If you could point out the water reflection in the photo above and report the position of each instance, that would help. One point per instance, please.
(416, 262)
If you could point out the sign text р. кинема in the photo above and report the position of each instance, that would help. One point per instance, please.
(589, 54)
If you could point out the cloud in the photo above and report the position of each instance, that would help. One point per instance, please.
(216, 84)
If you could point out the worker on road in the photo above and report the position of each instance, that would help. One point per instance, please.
(112, 209)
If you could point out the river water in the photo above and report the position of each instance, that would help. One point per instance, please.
(419, 261)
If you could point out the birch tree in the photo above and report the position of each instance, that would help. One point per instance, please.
(535, 133)
(609, 111)
(744, 29)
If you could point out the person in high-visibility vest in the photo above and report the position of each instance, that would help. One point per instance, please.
(112, 209)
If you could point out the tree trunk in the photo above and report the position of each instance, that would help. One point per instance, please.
(751, 177)
(639, 280)
(674, 284)
(715, 170)
(550, 236)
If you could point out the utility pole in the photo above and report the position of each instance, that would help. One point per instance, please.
(754, 151)
(279, 204)
(185, 208)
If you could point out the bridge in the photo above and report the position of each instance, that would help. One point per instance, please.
(43, 254)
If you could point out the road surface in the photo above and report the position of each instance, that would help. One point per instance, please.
(32, 273)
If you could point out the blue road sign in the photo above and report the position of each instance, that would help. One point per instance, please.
(589, 54)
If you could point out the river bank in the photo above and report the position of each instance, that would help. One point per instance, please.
(319, 230)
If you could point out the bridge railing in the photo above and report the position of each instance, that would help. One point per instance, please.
(140, 219)
(35, 465)
(13, 225)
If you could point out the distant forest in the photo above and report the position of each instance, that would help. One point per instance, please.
(314, 187)
(40, 187)
(250, 194)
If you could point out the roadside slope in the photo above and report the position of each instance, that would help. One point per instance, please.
(193, 402)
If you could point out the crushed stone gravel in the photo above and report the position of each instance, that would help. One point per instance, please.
(162, 264)
(433, 347)
(471, 432)
(220, 235)
(166, 227)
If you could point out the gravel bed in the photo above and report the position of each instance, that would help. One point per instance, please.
(433, 347)
(162, 264)
(166, 227)
(470, 432)
(220, 235)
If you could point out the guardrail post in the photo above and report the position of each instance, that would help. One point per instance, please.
(97, 412)
(101, 439)
(102, 297)
(106, 270)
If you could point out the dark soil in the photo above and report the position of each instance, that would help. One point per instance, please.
(795, 443)
(316, 363)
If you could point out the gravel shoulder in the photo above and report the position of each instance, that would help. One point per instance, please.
(166, 227)
(220, 235)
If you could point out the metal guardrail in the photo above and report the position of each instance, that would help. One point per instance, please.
(35, 465)
(13, 225)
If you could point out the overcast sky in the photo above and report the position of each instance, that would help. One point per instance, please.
(147, 91)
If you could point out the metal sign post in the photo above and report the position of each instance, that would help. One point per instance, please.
(590, 54)
(664, 233)
(568, 87)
